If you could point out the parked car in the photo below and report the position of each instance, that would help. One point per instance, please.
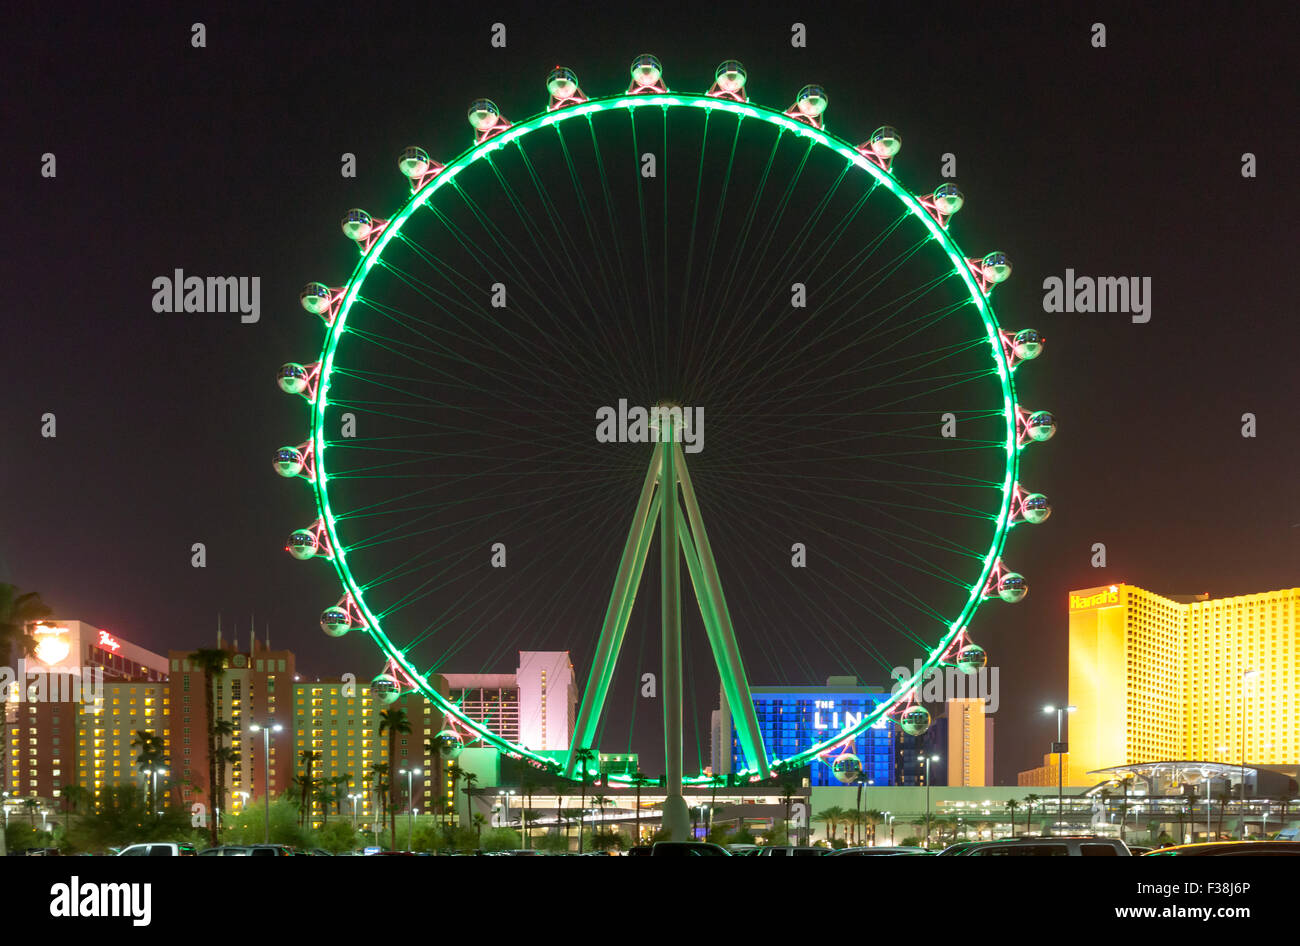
(1075, 846)
(687, 849)
(1231, 849)
(883, 851)
(790, 850)
(248, 850)
(157, 849)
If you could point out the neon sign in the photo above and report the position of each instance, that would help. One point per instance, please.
(1108, 596)
(51, 644)
(106, 641)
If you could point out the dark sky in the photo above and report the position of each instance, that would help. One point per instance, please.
(225, 160)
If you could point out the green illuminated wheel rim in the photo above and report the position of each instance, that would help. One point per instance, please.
(863, 389)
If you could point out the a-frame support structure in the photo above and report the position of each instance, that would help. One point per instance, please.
(680, 525)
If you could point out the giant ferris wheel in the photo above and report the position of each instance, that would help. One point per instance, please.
(651, 330)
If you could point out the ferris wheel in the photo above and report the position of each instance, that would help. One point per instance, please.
(675, 315)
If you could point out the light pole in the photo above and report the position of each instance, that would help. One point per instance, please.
(354, 797)
(1059, 748)
(928, 760)
(153, 774)
(1247, 675)
(861, 782)
(889, 821)
(410, 823)
(266, 771)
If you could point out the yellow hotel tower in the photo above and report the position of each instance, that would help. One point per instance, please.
(1182, 677)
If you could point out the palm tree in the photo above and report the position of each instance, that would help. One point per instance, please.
(212, 664)
(32, 805)
(151, 755)
(469, 778)
(479, 821)
(327, 794)
(17, 610)
(1012, 805)
(639, 779)
(456, 773)
(394, 722)
(788, 789)
(224, 729)
(872, 817)
(380, 778)
(1030, 802)
(306, 782)
(527, 785)
(831, 816)
(584, 756)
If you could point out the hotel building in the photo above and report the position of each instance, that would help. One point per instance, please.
(1160, 677)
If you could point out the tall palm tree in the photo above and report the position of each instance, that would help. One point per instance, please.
(150, 748)
(639, 779)
(584, 756)
(527, 785)
(479, 821)
(224, 729)
(1012, 805)
(831, 816)
(394, 722)
(454, 772)
(872, 817)
(469, 778)
(380, 772)
(306, 782)
(211, 662)
(1030, 802)
(17, 610)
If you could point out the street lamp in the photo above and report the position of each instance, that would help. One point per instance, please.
(1059, 748)
(353, 797)
(861, 782)
(410, 823)
(928, 760)
(153, 774)
(266, 769)
(1246, 675)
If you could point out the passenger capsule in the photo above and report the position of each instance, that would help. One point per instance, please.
(289, 461)
(646, 70)
(948, 199)
(562, 83)
(335, 622)
(357, 225)
(915, 721)
(1041, 426)
(292, 378)
(971, 658)
(385, 689)
(730, 76)
(812, 101)
(1028, 344)
(996, 267)
(303, 544)
(847, 768)
(413, 162)
(1012, 587)
(1035, 508)
(448, 744)
(886, 142)
(315, 297)
(483, 114)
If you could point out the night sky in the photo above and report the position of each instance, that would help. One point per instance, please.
(1119, 161)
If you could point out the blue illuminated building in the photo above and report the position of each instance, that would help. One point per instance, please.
(794, 718)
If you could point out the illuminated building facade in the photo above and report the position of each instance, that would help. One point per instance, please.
(338, 722)
(962, 737)
(536, 706)
(72, 716)
(791, 719)
(1159, 677)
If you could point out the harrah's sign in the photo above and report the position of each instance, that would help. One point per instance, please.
(1109, 596)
